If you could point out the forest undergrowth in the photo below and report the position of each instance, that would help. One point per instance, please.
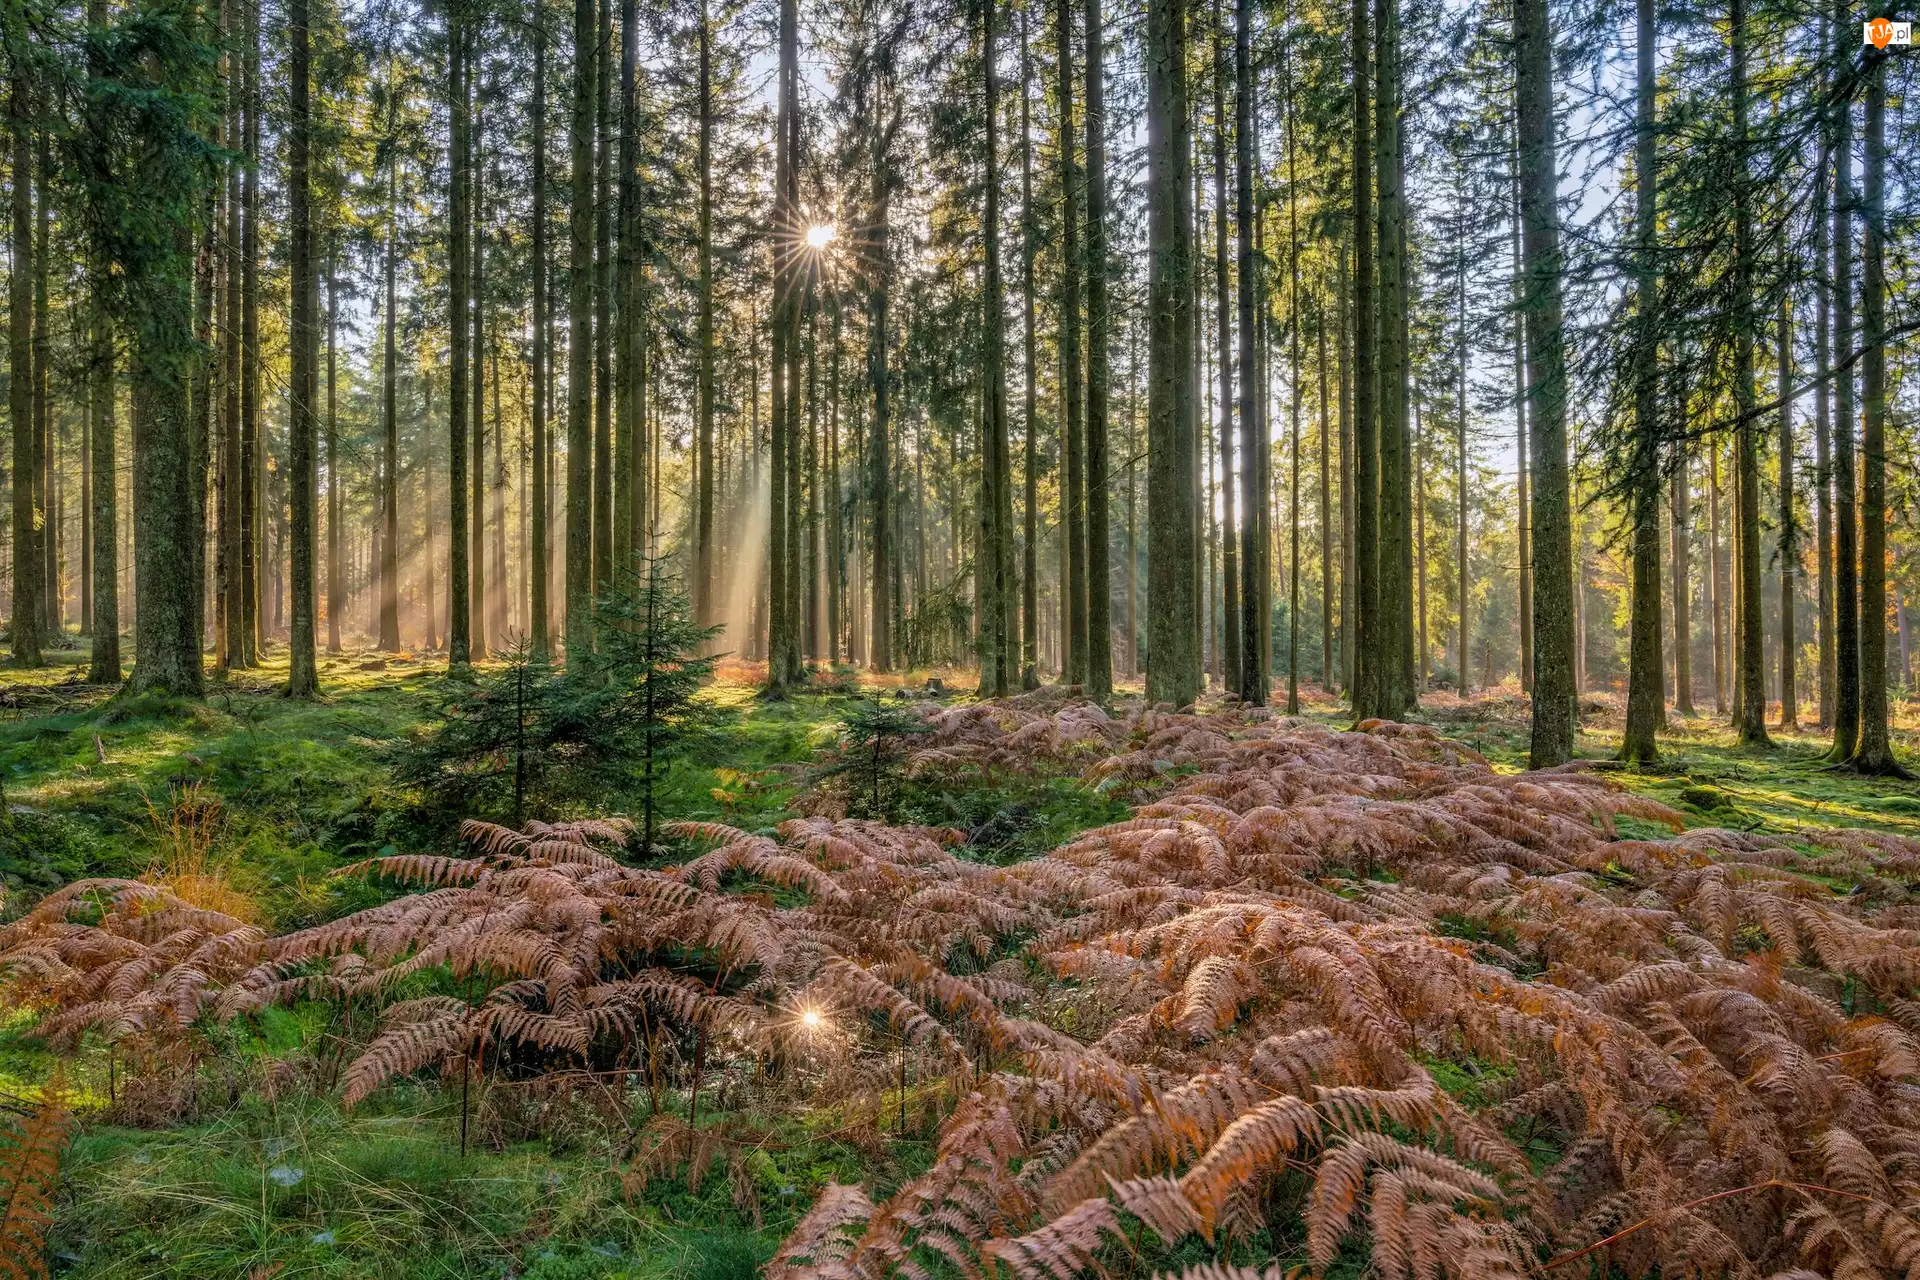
(1342, 999)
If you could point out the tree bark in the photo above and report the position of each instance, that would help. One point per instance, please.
(1646, 705)
(538, 555)
(1823, 393)
(336, 596)
(703, 339)
(1173, 659)
(1293, 378)
(47, 536)
(994, 562)
(1682, 611)
(1750, 713)
(1030, 418)
(1251, 680)
(782, 625)
(230, 610)
(1073, 476)
(1522, 475)
(629, 356)
(459, 222)
(877, 271)
(1344, 345)
(1099, 578)
(1553, 691)
(390, 425)
(1875, 755)
(604, 480)
(1394, 583)
(1716, 578)
(579, 555)
(1463, 636)
(303, 679)
(26, 558)
(1789, 532)
(251, 470)
(1369, 652)
(1232, 663)
(477, 361)
(104, 667)
(1846, 581)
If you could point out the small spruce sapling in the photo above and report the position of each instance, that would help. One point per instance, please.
(506, 743)
(874, 734)
(654, 653)
(523, 739)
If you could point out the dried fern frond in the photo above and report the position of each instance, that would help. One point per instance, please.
(30, 1154)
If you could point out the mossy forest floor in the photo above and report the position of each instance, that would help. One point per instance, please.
(270, 1178)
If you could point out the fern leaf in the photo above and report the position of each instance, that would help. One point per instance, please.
(29, 1173)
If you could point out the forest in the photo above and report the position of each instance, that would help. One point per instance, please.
(850, 639)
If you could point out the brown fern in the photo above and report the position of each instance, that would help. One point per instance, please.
(30, 1154)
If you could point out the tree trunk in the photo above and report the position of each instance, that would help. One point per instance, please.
(1073, 492)
(1133, 498)
(703, 341)
(1394, 635)
(1422, 612)
(159, 293)
(1099, 578)
(1462, 639)
(26, 558)
(994, 563)
(1325, 480)
(230, 610)
(1553, 692)
(799, 298)
(1344, 344)
(579, 556)
(604, 481)
(303, 679)
(1646, 706)
(1030, 418)
(459, 224)
(629, 356)
(390, 430)
(1522, 475)
(1715, 576)
(477, 359)
(48, 534)
(881, 477)
(336, 598)
(1682, 610)
(250, 442)
(1293, 378)
(1789, 533)
(1251, 680)
(1232, 664)
(538, 555)
(1173, 664)
(1846, 583)
(1369, 652)
(836, 534)
(105, 665)
(1750, 714)
(1875, 755)
(782, 625)
(1823, 396)
(810, 576)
